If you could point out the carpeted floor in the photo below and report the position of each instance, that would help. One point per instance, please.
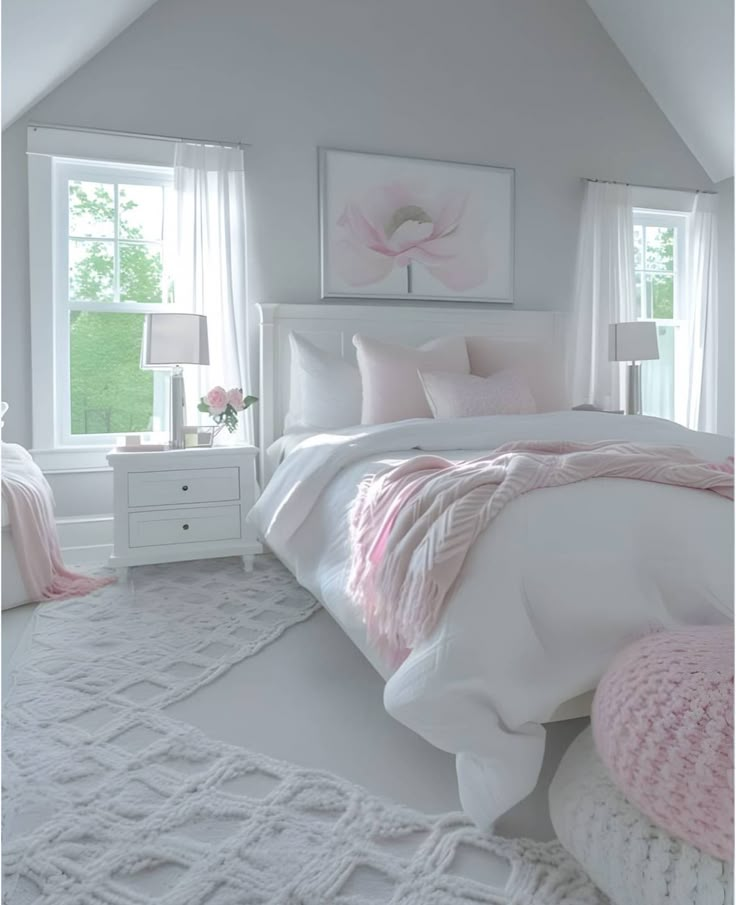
(111, 799)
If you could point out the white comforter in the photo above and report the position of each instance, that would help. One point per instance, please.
(553, 588)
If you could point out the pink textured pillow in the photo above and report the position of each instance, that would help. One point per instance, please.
(465, 395)
(392, 390)
(663, 726)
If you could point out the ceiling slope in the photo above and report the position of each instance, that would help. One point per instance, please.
(682, 50)
(45, 41)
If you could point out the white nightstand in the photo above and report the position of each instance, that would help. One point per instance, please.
(183, 504)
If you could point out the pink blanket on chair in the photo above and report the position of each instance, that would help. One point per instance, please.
(413, 524)
(30, 503)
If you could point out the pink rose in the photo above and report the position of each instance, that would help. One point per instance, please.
(217, 400)
(235, 399)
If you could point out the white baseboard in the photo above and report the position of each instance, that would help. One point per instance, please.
(85, 539)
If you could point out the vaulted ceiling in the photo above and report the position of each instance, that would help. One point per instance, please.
(682, 50)
(45, 41)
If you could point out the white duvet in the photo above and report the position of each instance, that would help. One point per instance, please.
(551, 590)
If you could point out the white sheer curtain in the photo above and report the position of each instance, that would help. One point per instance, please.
(604, 293)
(210, 271)
(701, 312)
(657, 377)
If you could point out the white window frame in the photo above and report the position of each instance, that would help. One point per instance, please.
(65, 171)
(679, 221)
(54, 447)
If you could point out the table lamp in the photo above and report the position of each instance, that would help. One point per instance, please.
(633, 341)
(171, 340)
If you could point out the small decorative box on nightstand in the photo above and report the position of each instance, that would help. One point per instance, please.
(183, 504)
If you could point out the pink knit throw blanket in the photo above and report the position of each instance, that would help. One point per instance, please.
(413, 524)
(30, 503)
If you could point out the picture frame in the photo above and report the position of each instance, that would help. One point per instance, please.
(409, 228)
(197, 436)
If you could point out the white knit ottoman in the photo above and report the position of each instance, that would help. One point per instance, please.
(627, 856)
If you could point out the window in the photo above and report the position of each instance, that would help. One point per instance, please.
(659, 255)
(111, 265)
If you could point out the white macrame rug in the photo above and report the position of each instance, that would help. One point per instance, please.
(108, 801)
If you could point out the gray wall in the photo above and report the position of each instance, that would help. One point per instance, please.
(16, 315)
(532, 84)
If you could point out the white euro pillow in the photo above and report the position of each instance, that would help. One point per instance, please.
(465, 395)
(392, 390)
(325, 389)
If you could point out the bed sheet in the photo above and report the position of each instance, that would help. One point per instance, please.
(549, 593)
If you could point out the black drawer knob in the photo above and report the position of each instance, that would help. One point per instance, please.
(185, 487)
(185, 527)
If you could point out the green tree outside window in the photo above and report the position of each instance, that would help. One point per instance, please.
(654, 251)
(109, 391)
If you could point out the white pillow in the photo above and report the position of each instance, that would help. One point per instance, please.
(464, 395)
(392, 390)
(325, 389)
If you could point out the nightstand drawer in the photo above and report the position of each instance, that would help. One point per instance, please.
(183, 526)
(198, 485)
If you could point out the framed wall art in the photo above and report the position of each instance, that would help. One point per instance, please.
(407, 228)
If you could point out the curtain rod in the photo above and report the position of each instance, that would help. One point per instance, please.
(661, 188)
(198, 141)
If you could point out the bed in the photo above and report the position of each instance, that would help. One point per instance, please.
(540, 611)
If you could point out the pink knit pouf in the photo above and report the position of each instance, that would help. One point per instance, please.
(663, 726)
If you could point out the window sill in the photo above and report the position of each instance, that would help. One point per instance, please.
(72, 460)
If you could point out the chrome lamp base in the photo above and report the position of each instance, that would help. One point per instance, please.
(178, 407)
(633, 389)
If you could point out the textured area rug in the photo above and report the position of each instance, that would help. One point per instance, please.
(108, 801)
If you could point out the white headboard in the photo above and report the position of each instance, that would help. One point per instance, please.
(497, 334)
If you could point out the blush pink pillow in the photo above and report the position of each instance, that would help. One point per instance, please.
(663, 726)
(464, 395)
(392, 390)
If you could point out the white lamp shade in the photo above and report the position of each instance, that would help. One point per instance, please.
(633, 341)
(174, 339)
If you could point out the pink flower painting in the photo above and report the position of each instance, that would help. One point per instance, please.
(404, 227)
(396, 225)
